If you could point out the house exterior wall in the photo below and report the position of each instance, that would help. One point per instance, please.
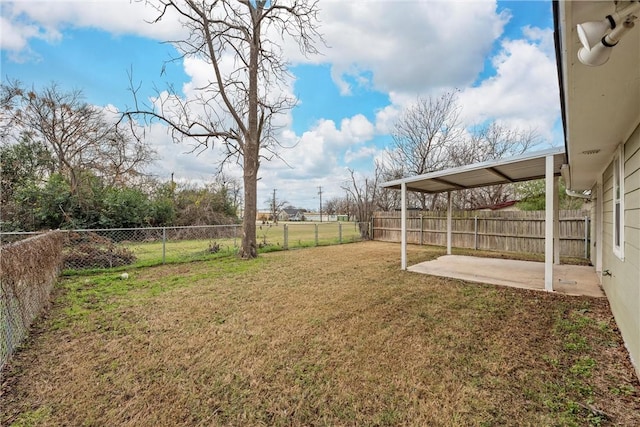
(623, 285)
(593, 231)
(595, 211)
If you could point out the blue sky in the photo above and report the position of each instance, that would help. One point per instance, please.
(381, 56)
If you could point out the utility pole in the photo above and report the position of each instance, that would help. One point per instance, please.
(320, 193)
(273, 207)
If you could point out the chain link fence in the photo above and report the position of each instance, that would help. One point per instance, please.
(28, 270)
(139, 247)
(300, 235)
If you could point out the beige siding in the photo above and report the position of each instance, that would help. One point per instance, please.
(623, 286)
(593, 229)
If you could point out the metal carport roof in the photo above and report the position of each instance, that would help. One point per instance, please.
(545, 164)
(525, 167)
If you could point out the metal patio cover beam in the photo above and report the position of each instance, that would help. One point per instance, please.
(525, 167)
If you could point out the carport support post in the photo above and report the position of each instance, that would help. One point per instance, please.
(449, 221)
(548, 225)
(403, 226)
(556, 222)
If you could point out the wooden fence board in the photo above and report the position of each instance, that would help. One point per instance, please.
(514, 231)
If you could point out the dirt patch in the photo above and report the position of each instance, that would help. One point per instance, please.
(333, 335)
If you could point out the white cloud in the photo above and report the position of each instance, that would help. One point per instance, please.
(186, 162)
(408, 46)
(320, 150)
(355, 129)
(16, 33)
(360, 153)
(386, 117)
(524, 91)
(114, 16)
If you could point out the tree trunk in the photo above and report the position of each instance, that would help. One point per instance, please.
(251, 145)
(249, 246)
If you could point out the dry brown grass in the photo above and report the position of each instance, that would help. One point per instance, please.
(323, 336)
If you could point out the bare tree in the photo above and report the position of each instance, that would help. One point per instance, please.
(387, 199)
(78, 135)
(491, 142)
(429, 137)
(345, 205)
(363, 193)
(422, 137)
(276, 206)
(331, 206)
(119, 158)
(236, 38)
(232, 187)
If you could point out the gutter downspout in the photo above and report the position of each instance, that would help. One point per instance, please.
(558, 44)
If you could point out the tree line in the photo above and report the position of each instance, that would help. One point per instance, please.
(65, 164)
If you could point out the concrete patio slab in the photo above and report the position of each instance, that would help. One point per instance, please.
(568, 279)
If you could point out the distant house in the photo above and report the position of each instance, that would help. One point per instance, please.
(291, 214)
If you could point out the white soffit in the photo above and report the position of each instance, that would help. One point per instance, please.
(602, 104)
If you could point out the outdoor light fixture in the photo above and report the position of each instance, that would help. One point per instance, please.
(597, 43)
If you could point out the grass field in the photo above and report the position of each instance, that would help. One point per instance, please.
(333, 335)
(270, 237)
(304, 234)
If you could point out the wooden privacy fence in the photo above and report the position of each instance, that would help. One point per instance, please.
(495, 231)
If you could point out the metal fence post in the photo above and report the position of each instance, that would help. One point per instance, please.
(475, 233)
(164, 241)
(421, 230)
(316, 234)
(285, 244)
(339, 232)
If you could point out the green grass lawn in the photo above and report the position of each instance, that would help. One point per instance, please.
(270, 237)
(303, 234)
(333, 335)
(151, 253)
